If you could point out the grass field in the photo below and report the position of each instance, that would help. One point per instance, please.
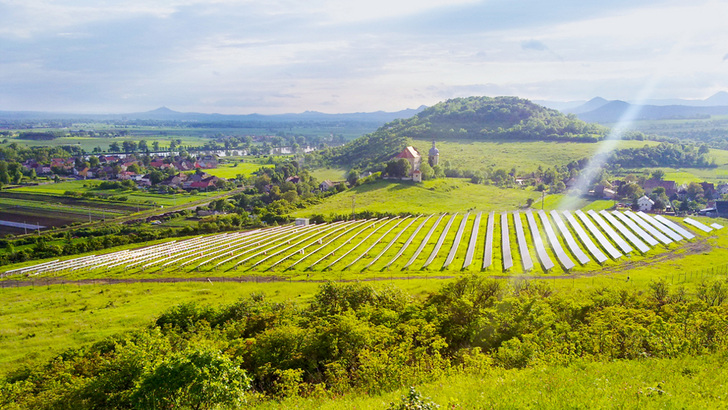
(332, 174)
(440, 195)
(231, 171)
(477, 155)
(690, 382)
(41, 321)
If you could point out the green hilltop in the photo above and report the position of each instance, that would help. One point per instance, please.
(471, 118)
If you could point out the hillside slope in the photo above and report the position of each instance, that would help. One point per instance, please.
(471, 118)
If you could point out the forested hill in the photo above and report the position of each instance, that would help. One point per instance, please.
(498, 117)
(475, 118)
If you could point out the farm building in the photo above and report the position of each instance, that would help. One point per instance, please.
(412, 156)
(645, 204)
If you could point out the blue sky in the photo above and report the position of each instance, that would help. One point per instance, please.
(279, 56)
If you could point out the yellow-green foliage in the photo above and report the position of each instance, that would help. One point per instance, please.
(371, 340)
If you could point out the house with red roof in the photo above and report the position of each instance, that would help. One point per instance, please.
(411, 155)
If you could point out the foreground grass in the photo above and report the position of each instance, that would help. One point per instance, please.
(42, 321)
(689, 382)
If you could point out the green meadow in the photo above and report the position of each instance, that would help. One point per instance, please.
(525, 156)
(679, 383)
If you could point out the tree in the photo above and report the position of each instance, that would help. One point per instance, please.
(129, 146)
(198, 379)
(352, 176)
(427, 171)
(155, 146)
(93, 161)
(114, 147)
(143, 146)
(17, 176)
(398, 168)
(658, 174)
(694, 190)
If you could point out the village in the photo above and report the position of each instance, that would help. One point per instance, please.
(178, 172)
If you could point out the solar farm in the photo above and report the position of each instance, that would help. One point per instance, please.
(510, 242)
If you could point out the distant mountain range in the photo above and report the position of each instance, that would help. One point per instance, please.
(166, 114)
(604, 111)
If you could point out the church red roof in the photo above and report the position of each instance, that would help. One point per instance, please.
(409, 152)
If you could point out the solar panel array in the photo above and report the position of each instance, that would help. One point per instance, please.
(386, 243)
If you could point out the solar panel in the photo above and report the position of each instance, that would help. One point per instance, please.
(585, 239)
(716, 226)
(488, 252)
(505, 243)
(603, 241)
(662, 228)
(456, 242)
(675, 227)
(390, 244)
(649, 228)
(540, 249)
(632, 238)
(573, 246)
(440, 240)
(375, 230)
(636, 228)
(408, 242)
(623, 245)
(566, 263)
(424, 242)
(698, 225)
(522, 244)
(473, 241)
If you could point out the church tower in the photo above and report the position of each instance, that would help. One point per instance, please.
(434, 157)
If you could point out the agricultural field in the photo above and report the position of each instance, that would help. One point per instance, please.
(477, 155)
(46, 204)
(332, 174)
(134, 198)
(231, 171)
(439, 195)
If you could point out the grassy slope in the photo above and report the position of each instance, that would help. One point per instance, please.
(42, 320)
(443, 195)
(468, 154)
(691, 382)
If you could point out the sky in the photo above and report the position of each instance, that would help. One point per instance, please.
(285, 56)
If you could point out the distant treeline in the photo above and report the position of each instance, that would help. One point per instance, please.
(663, 155)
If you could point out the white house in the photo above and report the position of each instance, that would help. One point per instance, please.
(645, 204)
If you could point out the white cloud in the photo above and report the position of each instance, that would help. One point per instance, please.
(285, 55)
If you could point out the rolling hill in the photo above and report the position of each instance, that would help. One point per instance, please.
(471, 118)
